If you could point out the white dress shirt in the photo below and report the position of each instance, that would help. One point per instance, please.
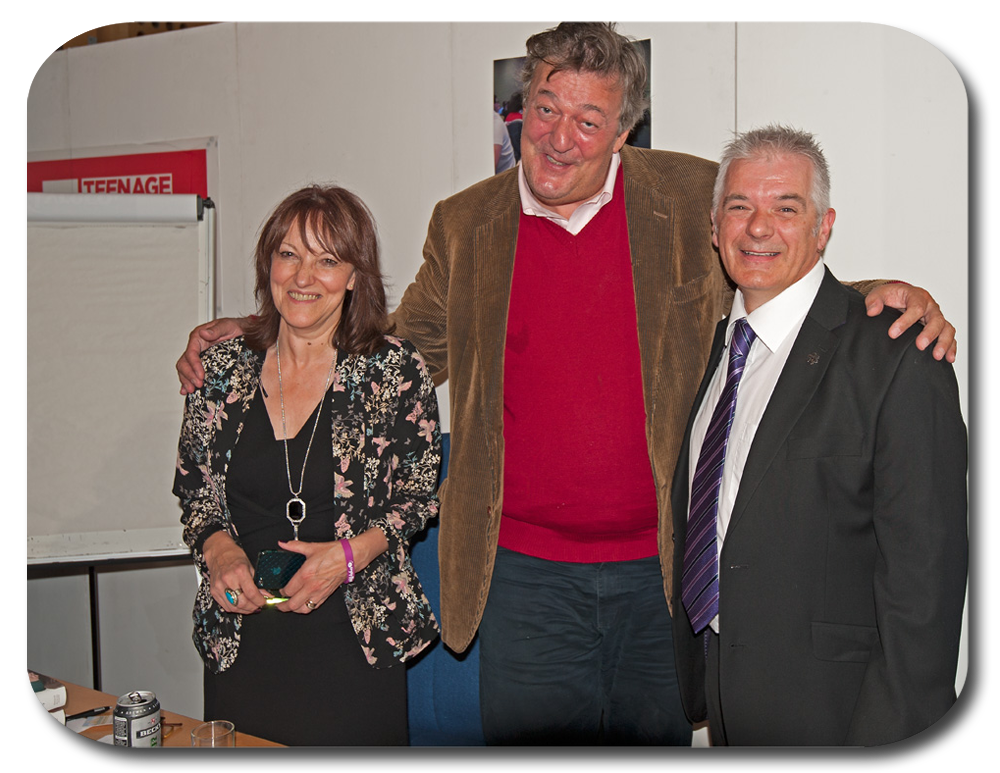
(583, 214)
(777, 324)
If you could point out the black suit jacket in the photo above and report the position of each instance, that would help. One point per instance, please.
(843, 571)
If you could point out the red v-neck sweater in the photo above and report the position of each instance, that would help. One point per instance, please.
(578, 484)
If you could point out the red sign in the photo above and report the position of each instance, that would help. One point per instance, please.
(180, 171)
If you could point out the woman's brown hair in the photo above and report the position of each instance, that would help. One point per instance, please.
(345, 228)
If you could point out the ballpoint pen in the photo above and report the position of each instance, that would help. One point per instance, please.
(89, 713)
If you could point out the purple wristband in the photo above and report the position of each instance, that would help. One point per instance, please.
(349, 555)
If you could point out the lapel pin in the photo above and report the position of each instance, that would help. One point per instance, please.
(812, 358)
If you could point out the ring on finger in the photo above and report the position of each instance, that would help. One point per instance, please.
(311, 604)
(233, 596)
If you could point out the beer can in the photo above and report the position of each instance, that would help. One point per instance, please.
(137, 719)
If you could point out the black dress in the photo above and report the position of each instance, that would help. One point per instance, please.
(298, 679)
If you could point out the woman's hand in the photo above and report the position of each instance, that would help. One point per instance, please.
(325, 569)
(230, 569)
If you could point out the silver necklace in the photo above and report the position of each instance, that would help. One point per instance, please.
(296, 505)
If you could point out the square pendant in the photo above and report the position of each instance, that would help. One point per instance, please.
(295, 510)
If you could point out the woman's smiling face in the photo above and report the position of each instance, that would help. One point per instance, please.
(308, 284)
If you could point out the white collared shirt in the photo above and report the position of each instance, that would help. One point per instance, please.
(777, 324)
(583, 214)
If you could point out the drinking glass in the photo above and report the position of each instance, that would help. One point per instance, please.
(218, 732)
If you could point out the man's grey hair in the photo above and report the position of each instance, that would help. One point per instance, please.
(592, 47)
(770, 141)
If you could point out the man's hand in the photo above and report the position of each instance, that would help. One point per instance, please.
(917, 305)
(189, 369)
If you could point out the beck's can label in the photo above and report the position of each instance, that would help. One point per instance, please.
(137, 719)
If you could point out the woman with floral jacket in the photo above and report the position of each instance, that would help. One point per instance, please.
(315, 435)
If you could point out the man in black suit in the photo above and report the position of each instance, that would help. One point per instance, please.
(819, 580)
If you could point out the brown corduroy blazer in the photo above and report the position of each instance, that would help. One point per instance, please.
(455, 312)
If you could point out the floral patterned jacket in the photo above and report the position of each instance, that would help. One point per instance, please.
(387, 445)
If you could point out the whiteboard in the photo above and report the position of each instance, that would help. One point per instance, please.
(114, 284)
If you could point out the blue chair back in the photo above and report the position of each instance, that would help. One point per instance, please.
(443, 686)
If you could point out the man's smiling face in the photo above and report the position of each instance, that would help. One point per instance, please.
(767, 229)
(570, 133)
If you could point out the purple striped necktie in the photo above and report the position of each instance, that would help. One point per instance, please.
(700, 580)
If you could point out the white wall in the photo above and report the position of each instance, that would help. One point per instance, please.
(398, 113)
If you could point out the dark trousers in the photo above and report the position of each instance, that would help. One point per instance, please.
(578, 654)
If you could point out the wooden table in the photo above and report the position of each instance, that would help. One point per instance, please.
(83, 698)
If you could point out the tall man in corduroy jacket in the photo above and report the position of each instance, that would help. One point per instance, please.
(572, 302)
